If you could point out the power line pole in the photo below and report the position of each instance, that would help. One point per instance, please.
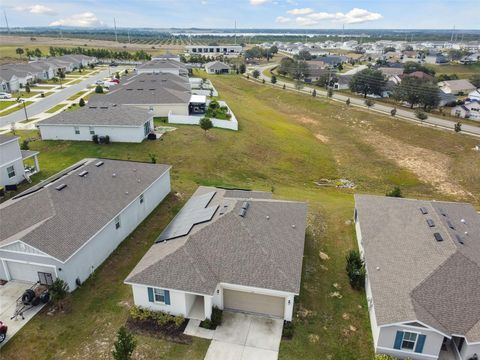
(115, 27)
(6, 21)
(235, 32)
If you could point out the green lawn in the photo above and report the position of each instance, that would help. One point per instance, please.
(77, 95)
(55, 108)
(286, 143)
(16, 108)
(6, 103)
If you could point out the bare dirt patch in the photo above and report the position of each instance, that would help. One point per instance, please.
(305, 120)
(428, 165)
(322, 138)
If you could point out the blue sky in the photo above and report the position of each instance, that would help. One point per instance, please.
(308, 14)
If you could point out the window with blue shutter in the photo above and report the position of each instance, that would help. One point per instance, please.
(420, 343)
(167, 297)
(398, 340)
(150, 294)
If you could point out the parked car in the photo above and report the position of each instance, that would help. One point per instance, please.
(99, 82)
(116, 81)
(3, 331)
(4, 95)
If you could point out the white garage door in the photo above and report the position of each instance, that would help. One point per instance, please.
(255, 303)
(27, 272)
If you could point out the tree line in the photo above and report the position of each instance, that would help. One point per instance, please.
(138, 55)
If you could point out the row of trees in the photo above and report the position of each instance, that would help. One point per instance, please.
(258, 52)
(101, 53)
(296, 69)
(29, 53)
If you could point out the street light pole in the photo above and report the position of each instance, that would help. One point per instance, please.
(25, 109)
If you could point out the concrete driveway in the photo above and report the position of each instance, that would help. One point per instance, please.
(243, 336)
(9, 293)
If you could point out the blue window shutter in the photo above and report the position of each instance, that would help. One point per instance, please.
(166, 293)
(420, 343)
(398, 340)
(150, 294)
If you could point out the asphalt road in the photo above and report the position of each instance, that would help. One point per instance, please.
(54, 99)
(431, 120)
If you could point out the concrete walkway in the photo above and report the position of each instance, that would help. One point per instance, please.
(354, 101)
(9, 293)
(246, 337)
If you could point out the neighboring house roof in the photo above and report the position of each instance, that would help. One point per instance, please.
(8, 71)
(58, 223)
(6, 138)
(101, 114)
(263, 249)
(216, 65)
(344, 79)
(457, 85)
(162, 88)
(391, 71)
(419, 75)
(163, 64)
(412, 275)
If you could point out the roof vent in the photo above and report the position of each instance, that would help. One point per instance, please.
(223, 210)
(424, 210)
(442, 211)
(450, 225)
(463, 221)
(438, 237)
(430, 223)
(114, 175)
(98, 164)
(61, 187)
(245, 205)
(83, 173)
(267, 217)
(459, 239)
(293, 226)
(242, 212)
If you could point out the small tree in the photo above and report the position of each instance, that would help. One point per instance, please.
(329, 93)
(19, 51)
(27, 88)
(256, 74)
(284, 87)
(355, 269)
(395, 192)
(369, 103)
(420, 114)
(99, 89)
(347, 102)
(242, 68)
(206, 124)
(314, 93)
(81, 103)
(263, 81)
(125, 345)
(393, 112)
(458, 127)
(58, 292)
(273, 79)
(153, 158)
(24, 145)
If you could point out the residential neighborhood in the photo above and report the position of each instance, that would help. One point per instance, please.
(240, 180)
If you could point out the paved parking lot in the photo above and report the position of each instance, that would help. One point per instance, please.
(9, 293)
(244, 336)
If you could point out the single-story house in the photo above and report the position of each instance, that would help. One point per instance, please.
(445, 98)
(391, 71)
(160, 93)
(422, 262)
(317, 70)
(438, 59)
(121, 123)
(77, 60)
(342, 82)
(419, 75)
(457, 87)
(67, 226)
(14, 167)
(9, 82)
(162, 66)
(474, 95)
(63, 65)
(45, 70)
(167, 56)
(217, 67)
(11, 72)
(469, 110)
(231, 249)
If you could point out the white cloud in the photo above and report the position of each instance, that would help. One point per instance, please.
(354, 16)
(282, 20)
(259, 2)
(204, 2)
(36, 9)
(303, 11)
(86, 19)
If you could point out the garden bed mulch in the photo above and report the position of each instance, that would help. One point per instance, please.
(167, 331)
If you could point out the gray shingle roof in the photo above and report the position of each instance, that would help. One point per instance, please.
(163, 64)
(101, 114)
(418, 278)
(216, 65)
(6, 138)
(148, 89)
(262, 249)
(60, 222)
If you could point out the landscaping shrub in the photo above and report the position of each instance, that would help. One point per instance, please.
(81, 102)
(141, 314)
(421, 114)
(347, 101)
(385, 357)
(58, 292)
(214, 321)
(458, 127)
(107, 139)
(99, 89)
(288, 329)
(369, 102)
(95, 138)
(356, 270)
(330, 93)
(124, 345)
(395, 192)
(24, 145)
(393, 112)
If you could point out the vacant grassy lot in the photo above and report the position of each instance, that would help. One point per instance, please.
(286, 143)
(463, 71)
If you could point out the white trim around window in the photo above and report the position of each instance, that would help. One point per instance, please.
(159, 296)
